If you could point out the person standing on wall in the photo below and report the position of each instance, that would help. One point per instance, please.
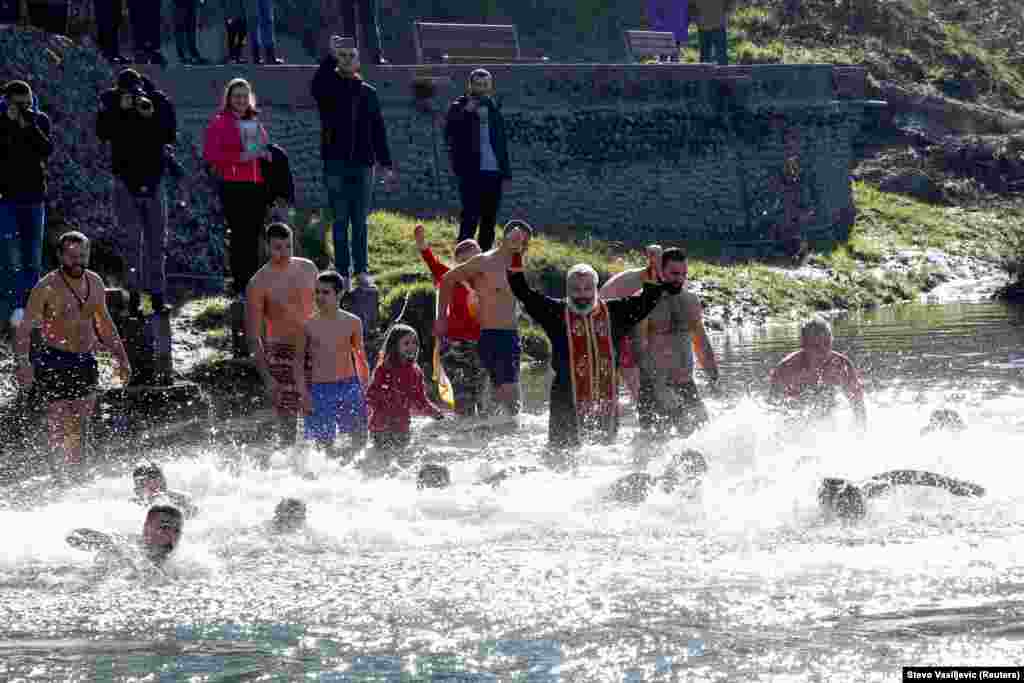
(186, 28)
(138, 120)
(353, 140)
(235, 143)
(478, 151)
(712, 18)
(145, 19)
(25, 145)
(261, 32)
(670, 16)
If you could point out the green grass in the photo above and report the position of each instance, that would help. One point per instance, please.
(212, 313)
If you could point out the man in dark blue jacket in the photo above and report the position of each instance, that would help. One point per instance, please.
(478, 151)
(138, 121)
(24, 147)
(353, 141)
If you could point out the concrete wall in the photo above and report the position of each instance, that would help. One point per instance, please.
(622, 152)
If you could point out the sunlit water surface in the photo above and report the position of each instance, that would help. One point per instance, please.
(542, 579)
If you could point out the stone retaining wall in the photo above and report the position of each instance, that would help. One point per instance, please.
(622, 152)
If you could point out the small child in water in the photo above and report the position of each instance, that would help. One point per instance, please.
(398, 389)
(334, 347)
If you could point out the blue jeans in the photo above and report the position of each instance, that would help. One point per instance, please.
(349, 188)
(21, 256)
(261, 23)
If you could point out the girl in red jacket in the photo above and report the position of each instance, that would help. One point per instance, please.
(235, 144)
(397, 389)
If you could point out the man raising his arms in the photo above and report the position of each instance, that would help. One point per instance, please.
(499, 346)
(71, 305)
(668, 394)
(280, 296)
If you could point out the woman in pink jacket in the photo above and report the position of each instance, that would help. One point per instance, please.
(235, 143)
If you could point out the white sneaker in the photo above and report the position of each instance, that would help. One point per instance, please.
(17, 316)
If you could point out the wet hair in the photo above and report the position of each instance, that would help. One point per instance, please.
(251, 110)
(673, 254)
(167, 510)
(944, 419)
(290, 512)
(842, 498)
(71, 237)
(516, 224)
(389, 353)
(476, 73)
(332, 277)
(815, 327)
(433, 477)
(691, 462)
(149, 470)
(278, 231)
(13, 88)
(581, 269)
(464, 245)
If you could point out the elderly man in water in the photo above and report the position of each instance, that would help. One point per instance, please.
(806, 380)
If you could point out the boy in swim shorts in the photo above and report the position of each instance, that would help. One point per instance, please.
(335, 400)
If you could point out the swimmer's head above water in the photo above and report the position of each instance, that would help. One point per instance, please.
(149, 480)
(944, 420)
(162, 531)
(842, 498)
(289, 515)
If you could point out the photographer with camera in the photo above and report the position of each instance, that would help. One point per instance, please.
(138, 120)
(478, 151)
(24, 147)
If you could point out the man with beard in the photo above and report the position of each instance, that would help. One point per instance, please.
(584, 331)
(668, 394)
(805, 381)
(70, 304)
(280, 296)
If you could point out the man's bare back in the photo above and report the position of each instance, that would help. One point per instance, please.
(283, 298)
(487, 275)
(333, 344)
(70, 308)
(794, 378)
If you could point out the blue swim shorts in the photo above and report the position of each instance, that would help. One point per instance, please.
(499, 354)
(337, 407)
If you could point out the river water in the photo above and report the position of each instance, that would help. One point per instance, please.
(542, 579)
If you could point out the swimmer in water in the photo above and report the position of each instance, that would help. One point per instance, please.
(848, 501)
(151, 488)
(160, 535)
(944, 420)
(289, 516)
(805, 381)
(684, 475)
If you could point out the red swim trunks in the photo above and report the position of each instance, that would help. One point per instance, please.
(626, 358)
(279, 361)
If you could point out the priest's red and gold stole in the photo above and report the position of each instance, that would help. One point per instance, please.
(592, 367)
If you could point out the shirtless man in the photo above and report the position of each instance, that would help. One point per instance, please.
(71, 305)
(280, 296)
(334, 339)
(499, 346)
(807, 379)
(663, 342)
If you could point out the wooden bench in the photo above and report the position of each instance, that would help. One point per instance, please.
(660, 44)
(468, 43)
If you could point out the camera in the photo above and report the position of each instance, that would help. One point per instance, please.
(144, 103)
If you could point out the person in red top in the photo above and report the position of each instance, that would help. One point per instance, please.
(397, 389)
(460, 356)
(235, 143)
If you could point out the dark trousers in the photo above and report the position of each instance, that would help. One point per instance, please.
(186, 25)
(108, 23)
(714, 46)
(245, 210)
(481, 196)
(368, 39)
(145, 19)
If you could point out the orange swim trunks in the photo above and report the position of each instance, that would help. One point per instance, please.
(280, 359)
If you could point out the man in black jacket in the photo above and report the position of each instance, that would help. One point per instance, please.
(475, 131)
(24, 147)
(585, 332)
(353, 140)
(138, 121)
